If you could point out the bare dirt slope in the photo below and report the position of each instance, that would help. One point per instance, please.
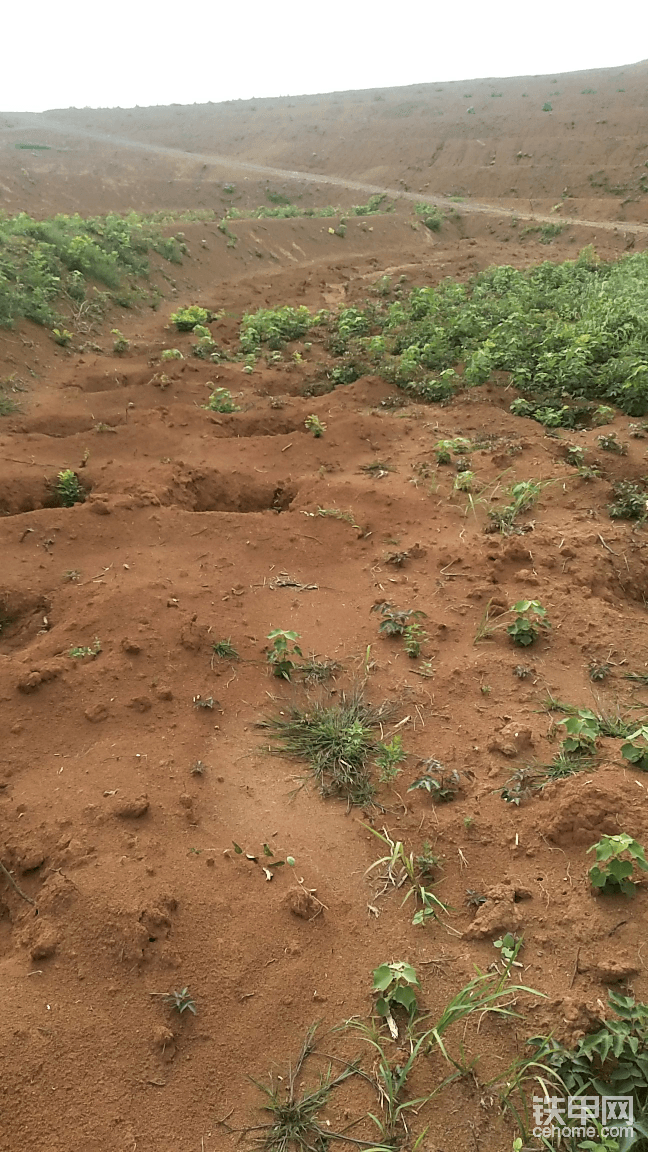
(121, 877)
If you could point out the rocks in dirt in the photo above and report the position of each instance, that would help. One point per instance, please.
(56, 895)
(500, 912)
(99, 506)
(193, 635)
(97, 713)
(585, 811)
(302, 903)
(163, 1042)
(579, 1018)
(157, 918)
(131, 808)
(510, 740)
(164, 693)
(26, 856)
(30, 681)
(140, 704)
(131, 646)
(45, 943)
(614, 969)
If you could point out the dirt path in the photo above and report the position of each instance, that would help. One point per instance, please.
(42, 120)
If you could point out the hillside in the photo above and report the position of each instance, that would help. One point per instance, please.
(333, 456)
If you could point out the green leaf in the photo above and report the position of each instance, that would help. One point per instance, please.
(267, 851)
(383, 977)
(237, 848)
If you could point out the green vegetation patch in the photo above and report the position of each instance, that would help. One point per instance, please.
(41, 259)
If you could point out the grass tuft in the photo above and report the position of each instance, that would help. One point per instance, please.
(337, 741)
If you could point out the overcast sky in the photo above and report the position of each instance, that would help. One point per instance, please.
(128, 52)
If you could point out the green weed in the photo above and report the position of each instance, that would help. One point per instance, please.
(630, 501)
(182, 1001)
(225, 650)
(530, 619)
(186, 319)
(430, 215)
(635, 749)
(388, 757)
(43, 259)
(522, 496)
(609, 1062)
(120, 343)
(337, 741)
(220, 400)
(313, 424)
(395, 621)
(281, 654)
(295, 1109)
(442, 786)
(69, 489)
(613, 870)
(79, 653)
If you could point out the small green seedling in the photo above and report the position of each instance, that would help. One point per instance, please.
(509, 946)
(182, 1001)
(582, 733)
(171, 354)
(630, 502)
(599, 670)
(530, 618)
(474, 899)
(62, 336)
(443, 787)
(603, 414)
(186, 319)
(225, 650)
(395, 621)
(313, 424)
(280, 656)
(388, 757)
(206, 346)
(613, 870)
(430, 905)
(635, 749)
(464, 481)
(68, 488)
(575, 455)
(414, 637)
(220, 400)
(524, 782)
(609, 443)
(443, 449)
(395, 984)
(80, 652)
(120, 343)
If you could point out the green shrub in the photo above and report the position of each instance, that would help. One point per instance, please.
(274, 327)
(186, 319)
(221, 401)
(530, 618)
(171, 354)
(430, 215)
(69, 489)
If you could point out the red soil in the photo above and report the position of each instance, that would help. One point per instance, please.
(126, 856)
